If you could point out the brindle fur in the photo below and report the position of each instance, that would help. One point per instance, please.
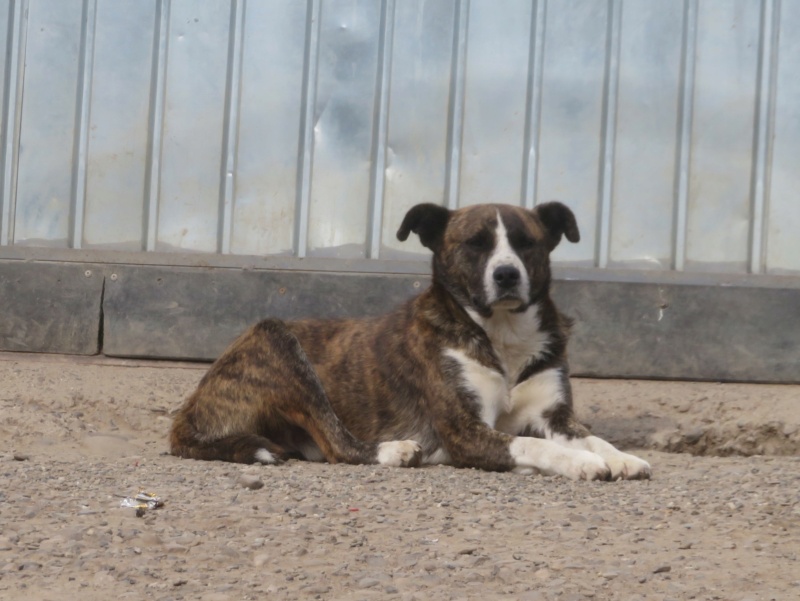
(348, 385)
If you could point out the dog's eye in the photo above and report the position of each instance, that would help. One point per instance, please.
(480, 241)
(523, 242)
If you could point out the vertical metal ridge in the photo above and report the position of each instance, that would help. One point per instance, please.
(306, 150)
(455, 123)
(684, 146)
(157, 99)
(82, 123)
(763, 134)
(380, 129)
(12, 115)
(230, 135)
(533, 108)
(608, 132)
(12, 35)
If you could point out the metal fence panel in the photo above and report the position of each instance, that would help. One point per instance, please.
(572, 115)
(722, 135)
(46, 150)
(194, 109)
(350, 40)
(495, 98)
(13, 28)
(117, 149)
(648, 103)
(270, 112)
(783, 206)
(6, 39)
(417, 149)
(307, 128)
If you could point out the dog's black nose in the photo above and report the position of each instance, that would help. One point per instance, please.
(506, 276)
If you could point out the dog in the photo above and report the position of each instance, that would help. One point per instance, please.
(472, 372)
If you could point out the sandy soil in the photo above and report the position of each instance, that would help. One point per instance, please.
(76, 435)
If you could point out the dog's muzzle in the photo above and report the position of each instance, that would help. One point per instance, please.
(507, 280)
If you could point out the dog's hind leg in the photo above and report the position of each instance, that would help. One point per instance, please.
(309, 408)
(237, 448)
(255, 399)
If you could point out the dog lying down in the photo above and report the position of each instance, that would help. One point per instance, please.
(472, 372)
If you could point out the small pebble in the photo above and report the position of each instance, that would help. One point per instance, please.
(368, 582)
(251, 482)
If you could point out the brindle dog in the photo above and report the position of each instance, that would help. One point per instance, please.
(472, 372)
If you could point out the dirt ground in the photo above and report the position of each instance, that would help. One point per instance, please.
(719, 520)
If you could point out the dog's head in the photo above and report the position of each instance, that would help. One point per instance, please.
(491, 256)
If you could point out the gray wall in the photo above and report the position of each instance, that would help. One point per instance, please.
(294, 134)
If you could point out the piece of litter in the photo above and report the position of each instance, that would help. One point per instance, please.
(142, 500)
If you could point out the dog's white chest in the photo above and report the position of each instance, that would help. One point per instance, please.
(488, 385)
(516, 338)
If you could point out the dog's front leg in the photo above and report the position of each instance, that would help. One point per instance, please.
(562, 427)
(471, 442)
(474, 444)
(475, 436)
(541, 406)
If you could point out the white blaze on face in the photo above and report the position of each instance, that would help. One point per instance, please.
(504, 255)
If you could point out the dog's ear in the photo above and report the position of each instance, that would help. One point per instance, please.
(428, 221)
(558, 219)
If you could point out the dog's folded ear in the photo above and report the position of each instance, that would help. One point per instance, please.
(558, 219)
(428, 221)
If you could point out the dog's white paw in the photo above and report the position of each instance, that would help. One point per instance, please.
(550, 458)
(628, 467)
(623, 465)
(583, 465)
(264, 457)
(399, 453)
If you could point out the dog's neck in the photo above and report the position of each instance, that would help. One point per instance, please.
(507, 339)
(518, 338)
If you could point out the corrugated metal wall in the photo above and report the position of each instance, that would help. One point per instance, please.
(307, 128)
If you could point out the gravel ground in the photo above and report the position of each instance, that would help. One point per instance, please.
(78, 435)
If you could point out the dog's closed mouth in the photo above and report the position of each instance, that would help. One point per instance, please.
(508, 301)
